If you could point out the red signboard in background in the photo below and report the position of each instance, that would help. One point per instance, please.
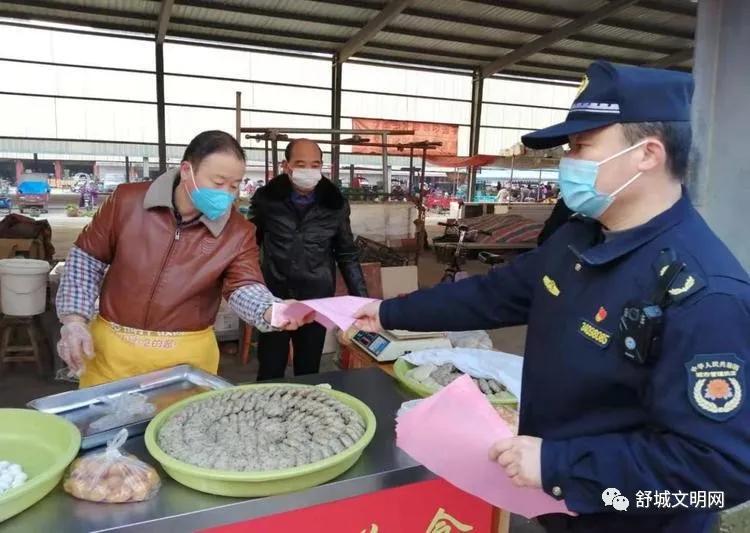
(433, 506)
(423, 131)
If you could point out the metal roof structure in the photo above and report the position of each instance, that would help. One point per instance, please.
(533, 38)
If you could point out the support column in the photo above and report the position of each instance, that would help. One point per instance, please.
(718, 179)
(19, 169)
(238, 116)
(146, 170)
(160, 114)
(58, 170)
(336, 72)
(477, 89)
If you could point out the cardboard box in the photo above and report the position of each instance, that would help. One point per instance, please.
(399, 280)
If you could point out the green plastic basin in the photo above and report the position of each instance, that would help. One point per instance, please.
(253, 484)
(44, 445)
(401, 367)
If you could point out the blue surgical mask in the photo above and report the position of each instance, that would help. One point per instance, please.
(213, 203)
(578, 184)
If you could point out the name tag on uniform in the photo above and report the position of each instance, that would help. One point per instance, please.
(594, 333)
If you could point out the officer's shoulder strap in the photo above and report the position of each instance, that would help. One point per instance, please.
(681, 284)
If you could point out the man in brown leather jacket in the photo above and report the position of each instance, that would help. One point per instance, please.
(160, 256)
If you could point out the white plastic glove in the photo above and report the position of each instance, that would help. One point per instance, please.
(76, 345)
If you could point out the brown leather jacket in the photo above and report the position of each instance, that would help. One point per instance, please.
(165, 277)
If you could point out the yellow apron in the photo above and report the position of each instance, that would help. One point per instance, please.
(122, 352)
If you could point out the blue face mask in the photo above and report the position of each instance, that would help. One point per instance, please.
(578, 184)
(213, 203)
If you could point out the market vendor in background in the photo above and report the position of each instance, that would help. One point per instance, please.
(303, 228)
(164, 254)
(635, 368)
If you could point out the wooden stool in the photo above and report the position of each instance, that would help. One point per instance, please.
(20, 353)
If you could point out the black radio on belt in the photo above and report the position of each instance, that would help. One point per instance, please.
(642, 322)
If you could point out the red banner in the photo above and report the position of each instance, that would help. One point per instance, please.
(431, 506)
(423, 131)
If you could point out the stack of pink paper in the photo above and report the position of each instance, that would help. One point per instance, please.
(330, 312)
(451, 433)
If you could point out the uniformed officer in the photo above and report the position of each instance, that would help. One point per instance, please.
(633, 408)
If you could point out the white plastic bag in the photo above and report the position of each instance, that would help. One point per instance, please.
(112, 476)
(503, 367)
(478, 339)
(121, 410)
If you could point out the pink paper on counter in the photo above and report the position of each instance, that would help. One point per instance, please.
(337, 311)
(451, 433)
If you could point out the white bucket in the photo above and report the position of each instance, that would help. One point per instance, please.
(24, 286)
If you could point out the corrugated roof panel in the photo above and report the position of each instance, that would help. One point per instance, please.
(462, 33)
(338, 10)
(644, 17)
(407, 22)
(279, 41)
(544, 71)
(609, 32)
(446, 46)
(425, 59)
(666, 20)
(599, 50)
(82, 17)
(456, 9)
(141, 6)
(555, 60)
(285, 26)
(553, 5)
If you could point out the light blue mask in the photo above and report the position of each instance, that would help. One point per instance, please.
(213, 203)
(578, 184)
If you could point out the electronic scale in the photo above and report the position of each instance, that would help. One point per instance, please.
(390, 345)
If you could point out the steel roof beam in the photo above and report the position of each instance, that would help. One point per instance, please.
(656, 29)
(163, 23)
(674, 59)
(361, 38)
(500, 25)
(554, 36)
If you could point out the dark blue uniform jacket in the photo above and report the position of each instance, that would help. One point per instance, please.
(679, 423)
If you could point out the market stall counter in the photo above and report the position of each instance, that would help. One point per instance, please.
(385, 487)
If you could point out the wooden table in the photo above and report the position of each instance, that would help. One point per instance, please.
(354, 357)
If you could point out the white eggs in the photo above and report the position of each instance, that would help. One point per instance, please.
(11, 476)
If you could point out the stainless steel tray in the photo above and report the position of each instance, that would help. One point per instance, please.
(163, 388)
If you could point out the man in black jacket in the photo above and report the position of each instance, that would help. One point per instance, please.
(303, 231)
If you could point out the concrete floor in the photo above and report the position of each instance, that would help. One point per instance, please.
(20, 384)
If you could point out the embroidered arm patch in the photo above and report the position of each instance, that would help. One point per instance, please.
(716, 385)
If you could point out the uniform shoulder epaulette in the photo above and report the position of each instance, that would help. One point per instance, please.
(685, 284)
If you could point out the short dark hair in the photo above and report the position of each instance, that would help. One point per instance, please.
(290, 147)
(211, 142)
(676, 136)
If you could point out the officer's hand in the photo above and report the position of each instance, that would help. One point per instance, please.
(76, 344)
(521, 457)
(368, 318)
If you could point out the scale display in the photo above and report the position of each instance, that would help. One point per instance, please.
(374, 342)
(390, 345)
